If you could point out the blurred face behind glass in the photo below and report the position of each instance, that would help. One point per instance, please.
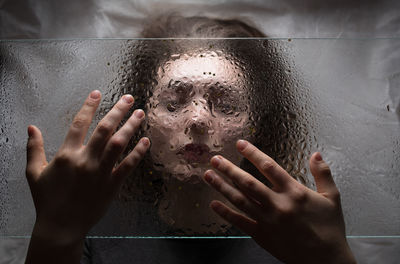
(199, 108)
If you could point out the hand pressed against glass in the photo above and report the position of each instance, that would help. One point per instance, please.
(73, 191)
(291, 221)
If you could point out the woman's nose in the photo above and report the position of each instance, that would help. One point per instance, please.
(199, 122)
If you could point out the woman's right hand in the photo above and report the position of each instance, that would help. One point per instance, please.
(74, 190)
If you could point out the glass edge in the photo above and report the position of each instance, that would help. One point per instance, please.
(198, 237)
(266, 38)
(242, 38)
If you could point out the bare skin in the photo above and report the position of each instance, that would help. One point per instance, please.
(73, 191)
(291, 221)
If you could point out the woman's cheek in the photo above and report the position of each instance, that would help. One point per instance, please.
(232, 128)
(164, 120)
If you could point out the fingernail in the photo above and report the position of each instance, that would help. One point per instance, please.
(30, 131)
(318, 156)
(95, 94)
(216, 161)
(139, 113)
(145, 141)
(128, 98)
(241, 144)
(208, 176)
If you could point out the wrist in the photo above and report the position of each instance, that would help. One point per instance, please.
(49, 244)
(343, 255)
(47, 231)
(337, 253)
(348, 257)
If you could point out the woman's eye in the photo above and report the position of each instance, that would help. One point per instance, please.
(171, 106)
(226, 105)
(225, 108)
(184, 93)
(180, 91)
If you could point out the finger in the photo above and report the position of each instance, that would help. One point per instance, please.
(247, 183)
(244, 223)
(118, 142)
(323, 176)
(266, 165)
(80, 125)
(108, 125)
(236, 197)
(131, 161)
(36, 158)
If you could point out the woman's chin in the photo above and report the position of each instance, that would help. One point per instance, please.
(185, 210)
(183, 171)
(188, 173)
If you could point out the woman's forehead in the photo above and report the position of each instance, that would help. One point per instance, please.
(200, 67)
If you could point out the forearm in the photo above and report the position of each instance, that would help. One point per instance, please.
(338, 254)
(344, 255)
(52, 246)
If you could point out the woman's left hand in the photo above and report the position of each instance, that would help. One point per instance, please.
(289, 220)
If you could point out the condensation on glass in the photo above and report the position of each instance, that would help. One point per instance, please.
(288, 97)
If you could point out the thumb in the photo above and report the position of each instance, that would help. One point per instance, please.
(322, 175)
(35, 155)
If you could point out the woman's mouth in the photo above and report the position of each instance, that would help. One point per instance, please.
(198, 153)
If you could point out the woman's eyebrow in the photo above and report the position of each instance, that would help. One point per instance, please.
(218, 87)
(181, 84)
(172, 90)
(224, 90)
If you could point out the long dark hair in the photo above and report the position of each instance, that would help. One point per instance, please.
(279, 99)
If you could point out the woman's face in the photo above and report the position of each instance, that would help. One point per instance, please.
(199, 108)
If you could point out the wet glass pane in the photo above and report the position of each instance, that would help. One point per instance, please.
(290, 97)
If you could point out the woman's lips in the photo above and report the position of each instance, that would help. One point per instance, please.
(199, 153)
